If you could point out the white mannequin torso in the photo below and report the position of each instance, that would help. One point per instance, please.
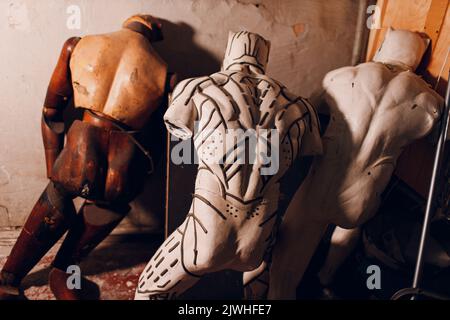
(376, 108)
(375, 111)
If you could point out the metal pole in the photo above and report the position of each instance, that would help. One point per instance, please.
(361, 33)
(431, 193)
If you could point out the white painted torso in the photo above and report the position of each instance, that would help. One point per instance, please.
(239, 192)
(376, 110)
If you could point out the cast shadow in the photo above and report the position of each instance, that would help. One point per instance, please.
(183, 55)
(187, 59)
(422, 70)
(326, 118)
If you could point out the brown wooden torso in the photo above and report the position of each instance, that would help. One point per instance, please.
(119, 75)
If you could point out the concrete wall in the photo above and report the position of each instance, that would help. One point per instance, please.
(309, 38)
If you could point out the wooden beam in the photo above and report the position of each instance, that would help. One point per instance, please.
(435, 19)
(375, 34)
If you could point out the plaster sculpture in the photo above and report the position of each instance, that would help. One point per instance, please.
(234, 207)
(377, 109)
(119, 81)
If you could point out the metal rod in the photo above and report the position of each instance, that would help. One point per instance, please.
(415, 292)
(431, 193)
(361, 33)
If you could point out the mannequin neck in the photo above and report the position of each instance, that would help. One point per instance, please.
(141, 29)
(396, 66)
(245, 68)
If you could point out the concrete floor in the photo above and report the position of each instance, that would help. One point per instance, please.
(111, 271)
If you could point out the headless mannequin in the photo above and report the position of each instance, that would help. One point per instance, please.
(119, 80)
(234, 208)
(377, 109)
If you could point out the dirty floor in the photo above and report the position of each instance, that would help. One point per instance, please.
(111, 271)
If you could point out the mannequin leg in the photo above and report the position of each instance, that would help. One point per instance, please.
(343, 242)
(93, 224)
(256, 282)
(48, 221)
(295, 247)
(166, 275)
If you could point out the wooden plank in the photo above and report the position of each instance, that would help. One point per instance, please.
(407, 14)
(414, 167)
(435, 19)
(429, 16)
(375, 36)
(439, 55)
(399, 14)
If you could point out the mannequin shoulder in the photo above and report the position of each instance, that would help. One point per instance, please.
(410, 86)
(187, 87)
(408, 94)
(429, 100)
(71, 43)
(67, 51)
(369, 74)
(339, 75)
(91, 42)
(89, 50)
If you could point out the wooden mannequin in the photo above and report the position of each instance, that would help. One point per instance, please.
(119, 80)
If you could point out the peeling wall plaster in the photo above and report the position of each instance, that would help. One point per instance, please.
(18, 15)
(5, 177)
(309, 38)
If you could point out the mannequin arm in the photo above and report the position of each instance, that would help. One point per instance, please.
(58, 94)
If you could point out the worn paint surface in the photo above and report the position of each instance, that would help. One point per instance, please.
(309, 38)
